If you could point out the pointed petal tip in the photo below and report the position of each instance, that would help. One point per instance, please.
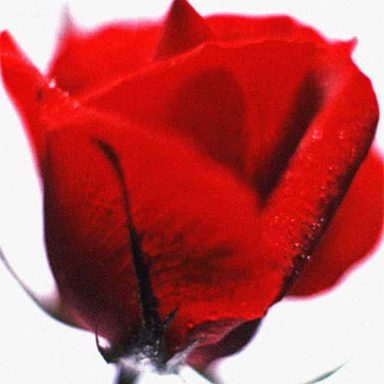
(352, 43)
(184, 28)
(68, 25)
(7, 43)
(348, 46)
(9, 52)
(181, 4)
(4, 36)
(14, 63)
(32, 93)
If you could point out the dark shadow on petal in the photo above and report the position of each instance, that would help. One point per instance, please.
(305, 107)
(353, 232)
(209, 110)
(233, 342)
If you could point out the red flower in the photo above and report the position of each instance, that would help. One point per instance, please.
(193, 167)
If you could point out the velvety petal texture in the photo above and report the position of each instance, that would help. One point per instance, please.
(232, 141)
(354, 230)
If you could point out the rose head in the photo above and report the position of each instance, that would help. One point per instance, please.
(190, 169)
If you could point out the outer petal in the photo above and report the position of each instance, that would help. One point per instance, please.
(84, 60)
(43, 107)
(40, 103)
(198, 226)
(353, 231)
(239, 28)
(85, 237)
(87, 246)
(322, 167)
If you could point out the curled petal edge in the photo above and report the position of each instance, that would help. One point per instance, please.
(51, 304)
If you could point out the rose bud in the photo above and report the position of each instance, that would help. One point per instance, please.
(190, 171)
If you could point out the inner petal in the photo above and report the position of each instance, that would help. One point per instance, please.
(305, 106)
(233, 103)
(209, 109)
(84, 60)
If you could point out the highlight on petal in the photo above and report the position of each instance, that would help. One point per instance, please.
(183, 29)
(352, 233)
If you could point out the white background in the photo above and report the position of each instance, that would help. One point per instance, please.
(299, 339)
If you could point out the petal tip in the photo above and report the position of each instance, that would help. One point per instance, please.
(7, 43)
(183, 29)
(68, 25)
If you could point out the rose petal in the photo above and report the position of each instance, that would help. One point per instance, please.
(51, 304)
(233, 103)
(183, 30)
(233, 342)
(102, 301)
(321, 169)
(40, 103)
(353, 231)
(86, 243)
(85, 60)
(239, 28)
(210, 240)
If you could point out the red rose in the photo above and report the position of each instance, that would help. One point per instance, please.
(191, 168)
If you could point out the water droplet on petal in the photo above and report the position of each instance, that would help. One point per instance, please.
(342, 135)
(317, 134)
(52, 84)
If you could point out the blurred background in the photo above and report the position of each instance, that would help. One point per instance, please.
(299, 340)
